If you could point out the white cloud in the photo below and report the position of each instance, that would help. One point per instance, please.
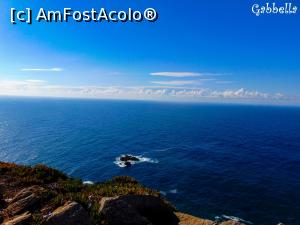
(176, 74)
(42, 88)
(42, 69)
(36, 81)
(240, 93)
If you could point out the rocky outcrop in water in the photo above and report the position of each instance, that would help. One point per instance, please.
(127, 158)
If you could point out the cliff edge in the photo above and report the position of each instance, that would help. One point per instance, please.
(41, 195)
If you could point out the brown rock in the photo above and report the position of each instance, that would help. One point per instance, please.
(27, 192)
(71, 213)
(26, 200)
(231, 222)
(23, 219)
(186, 219)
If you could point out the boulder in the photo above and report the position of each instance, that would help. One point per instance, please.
(157, 210)
(26, 200)
(1, 219)
(71, 213)
(115, 211)
(23, 219)
(1, 193)
(2, 201)
(24, 193)
(137, 210)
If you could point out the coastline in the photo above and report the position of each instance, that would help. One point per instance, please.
(41, 195)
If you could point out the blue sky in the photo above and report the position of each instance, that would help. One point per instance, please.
(195, 51)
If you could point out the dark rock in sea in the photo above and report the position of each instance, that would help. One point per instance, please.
(70, 214)
(137, 210)
(127, 164)
(126, 158)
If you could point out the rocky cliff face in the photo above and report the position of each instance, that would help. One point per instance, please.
(41, 195)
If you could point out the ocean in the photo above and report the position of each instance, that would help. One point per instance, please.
(209, 160)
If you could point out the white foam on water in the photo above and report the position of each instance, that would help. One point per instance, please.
(163, 150)
(236, 219)
(173, 191)
(88, 182)
(163, 193)
(141, 159)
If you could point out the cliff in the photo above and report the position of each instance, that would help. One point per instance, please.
(41, 195)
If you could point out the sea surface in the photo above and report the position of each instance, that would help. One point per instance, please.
(209, 160)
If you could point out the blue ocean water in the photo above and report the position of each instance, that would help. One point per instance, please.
(209, 160)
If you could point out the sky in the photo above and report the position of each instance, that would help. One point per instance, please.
(202, 51)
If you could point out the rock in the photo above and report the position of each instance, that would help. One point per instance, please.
(186, 219)
(126, 158)
(153, 208)
(2, 201)
(71, 213)
(23, 219)
(137, 210)
(26, 200)
(118, 212)
(1, 193)
(24, 193)
(1, 219)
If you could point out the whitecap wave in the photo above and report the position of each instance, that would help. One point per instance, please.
(163, 150)
(141, 159)
(88, 182)
(173, 191)
(233, 218)
(163, 193)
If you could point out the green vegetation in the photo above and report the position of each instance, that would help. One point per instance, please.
(36, 175)
(59, 188)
